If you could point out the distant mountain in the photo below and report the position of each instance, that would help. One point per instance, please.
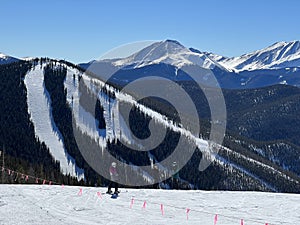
(277, 56)
(277, 64)
(168, 52)
(168, 59)
(5, 59)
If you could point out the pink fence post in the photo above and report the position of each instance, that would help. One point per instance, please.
(216, 219)
(44, 182)
(37, 180)
(144, 205)
(99, 194)
(242, 222)
(131, 203)
(187, 213)
(50, 182)
(80, 192)
(162, 209)
(26, 178)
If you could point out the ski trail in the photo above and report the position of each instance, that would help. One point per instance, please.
(39, 109)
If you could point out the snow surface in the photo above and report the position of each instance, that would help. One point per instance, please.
(3, 56)
(28, 58)
(39, 107)
(33, 204)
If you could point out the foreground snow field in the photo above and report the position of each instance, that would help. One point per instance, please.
(32, 204)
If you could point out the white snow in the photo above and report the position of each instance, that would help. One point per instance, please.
(39, 107)
(32, 204)
(3, 56)
(28, 58)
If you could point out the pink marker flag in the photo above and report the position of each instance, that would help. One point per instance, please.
(144, 205)
(162, 209)
(187, 213)
(50, 182)
(131, 203)
(26, 178)
(80, 192)
(44, 181)
(216, 219)
(62, 186)
(242, 222)
(99, 194)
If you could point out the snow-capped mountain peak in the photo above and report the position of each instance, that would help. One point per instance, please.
(276, 56)
(169, 52)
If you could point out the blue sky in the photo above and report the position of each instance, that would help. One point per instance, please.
(80, 31)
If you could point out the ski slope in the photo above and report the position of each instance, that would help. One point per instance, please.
(39, 107)
(32, 204)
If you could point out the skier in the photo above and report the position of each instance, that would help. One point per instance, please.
(175, 176)
(114, 176)
(157, 177)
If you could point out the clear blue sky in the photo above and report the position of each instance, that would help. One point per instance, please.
(80, 31)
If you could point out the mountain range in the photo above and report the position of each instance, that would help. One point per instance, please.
(43, 98)
(277, 64)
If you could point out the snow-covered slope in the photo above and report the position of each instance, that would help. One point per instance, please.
(24, 204)
(168, 52)
(4, 59)
(277, 56)
(39, 107)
